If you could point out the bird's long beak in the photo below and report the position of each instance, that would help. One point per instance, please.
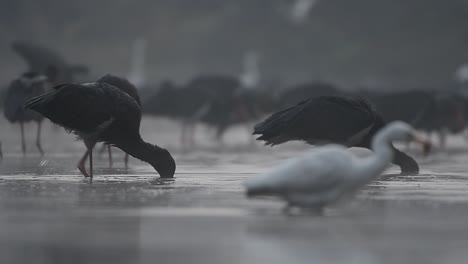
(426, 143)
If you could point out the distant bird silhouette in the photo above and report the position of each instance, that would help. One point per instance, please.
(351, 122)
(124, 85)
(240, 108)
(326, 174)
(212, 99)
(22, 89)
(439, 112)
(100, 112)
(46, 61)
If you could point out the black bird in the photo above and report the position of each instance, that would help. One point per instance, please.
(47, 61)
(202, 99)
(219, 101)
(100, 112)
(425, 110)
(21, 90)
(241, 107)
(130, 89)
(329, 119)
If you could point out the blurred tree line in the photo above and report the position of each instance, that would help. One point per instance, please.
(395, 43)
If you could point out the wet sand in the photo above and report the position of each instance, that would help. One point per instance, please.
(51, 215)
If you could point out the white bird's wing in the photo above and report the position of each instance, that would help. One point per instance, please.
(316, 171)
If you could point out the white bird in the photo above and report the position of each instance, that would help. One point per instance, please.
(461, 74)
(138, 65)
(325, 174)
(300, 9)
(250, 76)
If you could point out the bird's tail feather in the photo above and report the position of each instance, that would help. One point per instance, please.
(35, 102)
(271, 129)
(257, 187)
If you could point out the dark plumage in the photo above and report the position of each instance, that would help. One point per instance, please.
(124, 85)
(22, 89)
(99, 112)
(329, 119)
(46, 61)
(417, 108)
(240, 107)
(216, 100)
(290, 96)
(450, 113)
(424, 110)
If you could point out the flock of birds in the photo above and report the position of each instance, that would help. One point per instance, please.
(109, 110)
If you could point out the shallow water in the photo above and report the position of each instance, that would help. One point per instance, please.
(51, 215)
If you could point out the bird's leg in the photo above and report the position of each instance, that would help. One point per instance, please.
(307, 203)
(287, 209)
(126, 161)
(23, 143)
(252, 140)
(109, 151)
(91, 165)
(81, 164)
(443, 138)
(246, 115)
(102, 149)
(220, 130)
(187, 133)
(314, 210)
(465, 134)
(183, 133)
(191, 133)
(38, 138)
(196, 118)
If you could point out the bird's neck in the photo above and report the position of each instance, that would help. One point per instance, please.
(407, 164)
(379, 160)
(140, 149)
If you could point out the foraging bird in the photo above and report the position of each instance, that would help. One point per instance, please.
(325, 174)
(99, 112)
(27, 86)
(130, 89)
(351, 122)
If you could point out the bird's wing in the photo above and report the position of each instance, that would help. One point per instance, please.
(37, 57)
(321, 119)
(14, 99)
(316, 171)
(84, 108)
(359, 136)
(123, 84)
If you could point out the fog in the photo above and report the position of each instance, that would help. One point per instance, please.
(398, 44)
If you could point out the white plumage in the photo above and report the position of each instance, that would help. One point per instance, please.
(250, 77)
(301, 9)
(138, 67)
(323, 175)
